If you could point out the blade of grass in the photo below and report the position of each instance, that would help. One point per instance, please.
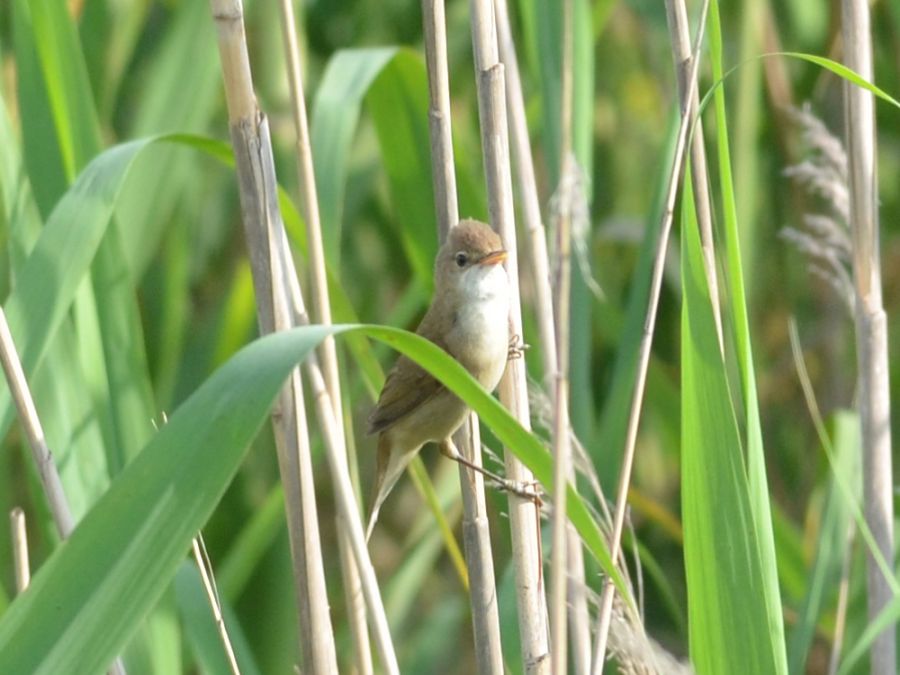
(202, 636)
(727, 604)
(755, 459)
(831, 540)
(334, 118)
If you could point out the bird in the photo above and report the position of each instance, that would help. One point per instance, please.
(469, 319)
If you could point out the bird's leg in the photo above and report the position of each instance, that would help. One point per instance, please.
(529, 490)
(517, 347)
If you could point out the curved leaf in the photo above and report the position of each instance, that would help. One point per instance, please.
(129, 546)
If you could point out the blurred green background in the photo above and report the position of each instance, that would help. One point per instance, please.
(184, 303)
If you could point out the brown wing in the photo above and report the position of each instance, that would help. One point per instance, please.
(407, 386)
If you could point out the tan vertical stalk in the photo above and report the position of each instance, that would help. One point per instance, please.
(19, 533)
(871, 324)
(523, 513)
(528, 194)
(526, 186)
(562, 465)
(262, 227)
(479, 558)
(34, 432)
(345, 497)
(637, 398)
(439, 126)
(476, 526)
(679, 34)
(356, 608)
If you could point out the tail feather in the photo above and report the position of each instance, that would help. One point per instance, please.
(390, 466)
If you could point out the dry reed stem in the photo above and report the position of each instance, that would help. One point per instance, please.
(680, 35)
(19, 533)
(439, 125)
(871, 323)
(479, 557)
(348, 510)
(262, 227)
(34, 432)
(523, 165)
(204, 566)
(345, 497)
(646, 344)
(475, 523)
(561, 453)
(528, 194)
(562, 449)
(523, 513)
(356, 609)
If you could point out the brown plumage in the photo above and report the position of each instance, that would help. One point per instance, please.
(468, 318)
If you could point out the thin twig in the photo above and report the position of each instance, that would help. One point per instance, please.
(204, 566)
(19, 533)
(871, 323)
(524, 514)
(475, 523)
(644, 356)
(322, 311)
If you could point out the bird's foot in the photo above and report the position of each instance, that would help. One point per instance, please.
(526, 489)
(530, 490)
(517, 347)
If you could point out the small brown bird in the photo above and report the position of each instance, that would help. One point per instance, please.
(468, 318)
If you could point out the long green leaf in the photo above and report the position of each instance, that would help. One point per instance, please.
(68, 417)
(727, 606)
(50, 276)
(173, 98)
(110, 339)
(755, 458)
(398, 104)
(334, 117)
(126, 550)
(508, 431)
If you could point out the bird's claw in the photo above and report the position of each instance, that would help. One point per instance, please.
(526, 489)
(517, 347)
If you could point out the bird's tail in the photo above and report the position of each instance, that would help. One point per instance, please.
(390, 466)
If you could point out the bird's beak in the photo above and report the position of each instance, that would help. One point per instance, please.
(493, 258)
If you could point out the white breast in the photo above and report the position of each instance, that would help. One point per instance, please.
(482, 323)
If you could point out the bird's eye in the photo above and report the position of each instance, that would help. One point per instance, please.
(461, 259)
